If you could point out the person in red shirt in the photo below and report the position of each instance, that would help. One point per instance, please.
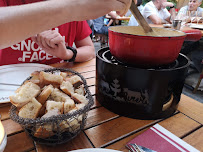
(51, 46)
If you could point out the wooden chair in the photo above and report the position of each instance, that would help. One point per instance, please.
(199, 81)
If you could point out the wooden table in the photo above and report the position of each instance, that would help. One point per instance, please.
(106, 129)
(118, 19)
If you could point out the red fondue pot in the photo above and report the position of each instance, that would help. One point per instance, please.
(193, 35)
(129, 45)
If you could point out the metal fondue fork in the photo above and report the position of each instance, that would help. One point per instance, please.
(135, 148)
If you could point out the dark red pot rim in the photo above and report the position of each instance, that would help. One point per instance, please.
(147, 37)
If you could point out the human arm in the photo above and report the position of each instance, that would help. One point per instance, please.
(110, 22)
(162, 18)
(53, 43)
(112, 15)
(167, 4)
(85, 49)
(20, 22)
(156, 20)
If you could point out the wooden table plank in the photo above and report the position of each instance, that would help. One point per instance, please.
(85, 69)
(191, 108)
(179, 124)
(11, 126)
(88, 74)
(121, 145)
(90, 81)
(78, 142)
(98, 116)
(96, 103)
(111, 130)
(195, 139)
(18, 143)
(4, 111)
(5, 104)
(75, 64)
(85, 64)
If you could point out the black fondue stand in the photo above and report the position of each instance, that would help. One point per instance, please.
(137, 92)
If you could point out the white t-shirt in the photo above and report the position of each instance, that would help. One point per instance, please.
(133, 21)
(150, 9)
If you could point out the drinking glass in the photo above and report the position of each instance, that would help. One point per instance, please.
(176, 24)
(199, 16)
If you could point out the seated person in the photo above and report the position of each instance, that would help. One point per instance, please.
(192, 49)
(155, 12)
(49, 46)
(193, 5)
(133, 21)
(99, 26)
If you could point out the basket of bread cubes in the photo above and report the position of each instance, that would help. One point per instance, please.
(52, 105)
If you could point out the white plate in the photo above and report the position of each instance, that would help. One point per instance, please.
(16, 74)
(95, 150)
(197, 26)
(167, 25)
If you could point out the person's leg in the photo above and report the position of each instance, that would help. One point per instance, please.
(104, 38)
(103, 30)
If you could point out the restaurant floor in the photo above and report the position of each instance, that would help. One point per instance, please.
(187, 90)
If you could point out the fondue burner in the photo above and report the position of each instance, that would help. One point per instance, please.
(109, 58)
(143, 93)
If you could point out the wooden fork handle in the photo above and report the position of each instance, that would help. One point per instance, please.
(142, 22)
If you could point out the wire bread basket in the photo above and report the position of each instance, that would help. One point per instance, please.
(56, 129)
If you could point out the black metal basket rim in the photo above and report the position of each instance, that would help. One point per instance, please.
(86, 108)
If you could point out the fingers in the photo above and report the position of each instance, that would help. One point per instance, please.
(122, 6)
(48, 39)
(43, 40)
(55, 40)
(34, 38)
(60, 51)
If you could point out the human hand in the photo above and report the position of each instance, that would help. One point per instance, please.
(53, 43)
(127, 8)
(165, 4)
